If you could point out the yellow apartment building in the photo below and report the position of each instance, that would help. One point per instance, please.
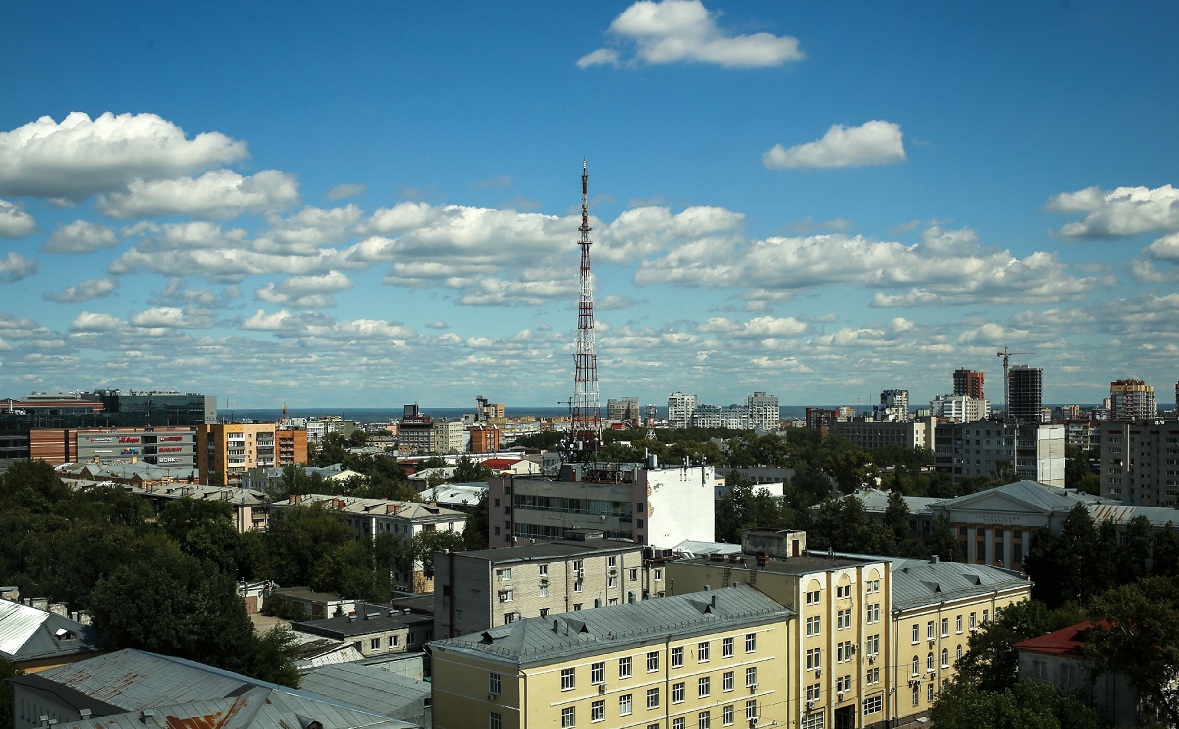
(706, 660)
(225, 451)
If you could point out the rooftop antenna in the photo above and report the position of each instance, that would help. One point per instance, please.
(585, 424)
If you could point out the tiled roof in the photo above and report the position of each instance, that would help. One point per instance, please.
(1066, 640)
(545, 640)
(917, 582)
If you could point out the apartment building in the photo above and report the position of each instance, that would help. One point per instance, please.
(959, 408)
(709, 659)
(642, 502)
(764, 413)
(840, 641)
(1035, 452)
(225, 451)
(479, 589)
(894, 406)
(484, 438)
(680, 408)
(1027, 394)
(1131, 400)
(873, 434)
(1140, 462)
(373, 630)
(623, 410)
(969, 383)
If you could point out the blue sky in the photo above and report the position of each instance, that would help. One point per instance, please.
(372, 204)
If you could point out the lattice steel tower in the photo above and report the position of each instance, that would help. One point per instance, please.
(585, 425)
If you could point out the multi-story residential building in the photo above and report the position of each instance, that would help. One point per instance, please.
(485, 438)
(969, 383)
(839, 643)
(1131, 400)
(680, 408)
(873, 434)
(370, 517)
(959, 408)
(479, 589)
(225, 451)
(708, 659)
(1034, 452)
(733, 417)
(374, 630)
(764, 413)
(623, 410)
(866, 627)
(486, 411)
(894, 406)
(1140, 462)
(642, 502)
(450, 436)
(1026, 391)
(1083, 433)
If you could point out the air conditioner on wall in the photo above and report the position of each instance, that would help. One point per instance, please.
(601, 688)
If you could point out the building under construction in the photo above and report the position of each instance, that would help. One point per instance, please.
(1026, 394)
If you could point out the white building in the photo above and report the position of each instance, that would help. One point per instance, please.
(649, 505)
(763, 411)
(959, 408)
(1035, 452)
(680, 408)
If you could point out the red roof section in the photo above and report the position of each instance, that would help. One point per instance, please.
(1064, 641)
(500, 463)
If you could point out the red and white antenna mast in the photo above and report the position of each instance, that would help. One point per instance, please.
(585, 425)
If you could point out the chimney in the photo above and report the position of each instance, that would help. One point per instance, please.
(934, 559)
(84, 713)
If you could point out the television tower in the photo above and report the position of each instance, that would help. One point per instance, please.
(585, 423)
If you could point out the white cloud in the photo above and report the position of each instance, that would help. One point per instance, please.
(96, 322)
(215, 194)
(306, 292)
(14, 221)
(80, 156)
(874, 143)
(81, 236)
(339, 192)
(1121, 212)
(14, 267)
(757, 328)
(95, 288)
(307, 230)
(674, 31)
(173, 317)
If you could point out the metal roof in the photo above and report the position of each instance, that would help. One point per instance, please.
(614, 627)
(370, 688)
(28, 632)
(919, 583)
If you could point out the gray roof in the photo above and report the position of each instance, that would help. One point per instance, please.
(370, 688)
(812, 561)
(552, 550)
(876, 501)
(1158, 516)
(1034, 494)
(345, 626)
(615, 627)
(919, 583)
(702, 549)
(27, 633)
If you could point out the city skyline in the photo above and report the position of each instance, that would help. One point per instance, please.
(374, 205)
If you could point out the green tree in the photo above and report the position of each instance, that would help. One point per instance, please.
(469, 471)
(32, 484)
(203, 529)
(1024, 705)
(299, 538)
(273, 657)
(943, 542)
(425, 544)
(1072, 566)
(1165, 555)
(1137, 635)
(353, 570)
(475, 533)
(1133, 556)
(8, 669)
(990, 663)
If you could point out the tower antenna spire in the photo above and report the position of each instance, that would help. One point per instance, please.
(585, 421)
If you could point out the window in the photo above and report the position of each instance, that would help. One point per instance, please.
(945, 657)
(677, 693)
(958, 624)
(544, 590)
(843, 619)
(576, 606)
(653, 698)
(1040, 669)
(812, 598)
(493, 683)
(652, 661)
(704, 720)
(511, 617)
(916, 666)
(658, 575)
(812, 721)
(843, 651)
(727, 714)
(916, 694)
(393, 641)
(677, 657)
(567, 683)
(973, 622)
(929, 630)
(496, 721)
(612, 581)
(872, 645)
(702, 649)
(873, 613)
(872, 586)
(612, 561)
(750, 642)
(929, 692)
(598, 672)
(598, 710)
(813, 625)
(945, 627)
(751, 677)
(872, 676)
(727, 681)
(727, 648)
(843, 683)
(703, 686)
(958, 654)
(544, 570)
(929, 662)
(634, 573)
(624, 667)
(577, 585)
(677, 723)
(505, 596)
(568, 717)
(624, 705)
(986, 616)
(813, 691)
(751, 710)
(505, 573)
(814, 658)
(374, 644)
(843, 592)
(873, 705)
(916, 634)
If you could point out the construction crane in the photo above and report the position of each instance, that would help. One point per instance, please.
(1006, 355)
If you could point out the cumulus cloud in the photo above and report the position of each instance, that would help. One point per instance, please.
(761, 327)
(14, 267)
(874, 143)
(306, 292)
(172, 317)
(1118, 213)
(340, 192)
(89, 321)
(14, 221)
(215, 194)
(80, 236)
(81, 156)
(307, 230)
(684, 31)
(95, 288)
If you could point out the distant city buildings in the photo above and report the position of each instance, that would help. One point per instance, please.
(874, 434)
(760, 411)
(624, 410)
(1139, 462)
(1026, 391)
(680, 408)
(893, 407)
(1034, 452)
(419, 433)
(959, 408)
(969, 383)
(1131, 400)
(225, 451)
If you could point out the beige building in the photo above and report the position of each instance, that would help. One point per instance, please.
(709, 659)
(476, 590)
(873, 434)
(225, 451)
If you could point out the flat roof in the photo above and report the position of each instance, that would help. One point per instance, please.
(801, 565)
(551, 550)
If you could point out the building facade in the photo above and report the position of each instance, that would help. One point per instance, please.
(764, 413)
(959, 408)
(872, 434)
(711, 659)
(225, 451)
(1033, 452)
(642, 502)
(1140, 462)
(1131, 400)
(1027, 399)
(680, 408)
(969, 383)
(893, 407)
(623, 410)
